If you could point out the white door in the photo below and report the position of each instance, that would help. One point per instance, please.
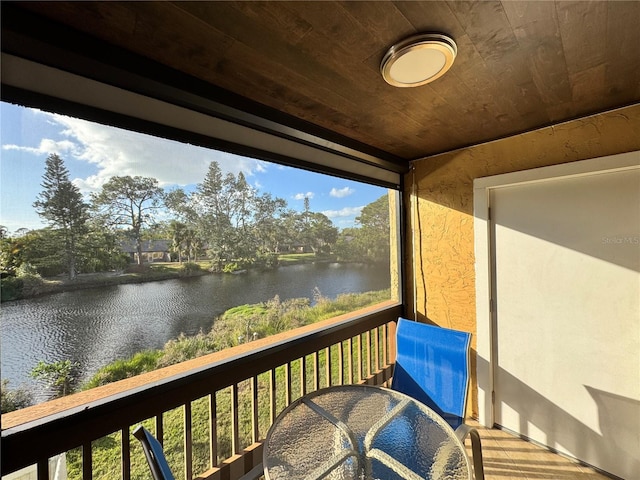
(566, 282)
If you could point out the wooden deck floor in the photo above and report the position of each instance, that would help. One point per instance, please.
(507, 457)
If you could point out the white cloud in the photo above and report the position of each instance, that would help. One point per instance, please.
(46, 147)
(260, 166)
(302, 196)
(342, 192)
(118, 152)
(343, 212)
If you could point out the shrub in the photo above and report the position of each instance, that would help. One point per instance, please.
(185, 348)
(231, 267)
(11, 288)
(189, 268)
(11, 400)
(26, 270)
(267, 261)
(32, 285)
(141, 362)
(61, 375)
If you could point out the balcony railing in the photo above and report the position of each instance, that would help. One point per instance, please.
(238, 391)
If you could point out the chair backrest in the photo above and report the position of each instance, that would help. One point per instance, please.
(155, 455)
(432, 366)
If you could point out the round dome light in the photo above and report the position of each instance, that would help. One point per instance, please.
(418, 60)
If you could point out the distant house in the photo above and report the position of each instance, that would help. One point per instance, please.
(300, 248)
(152, 251)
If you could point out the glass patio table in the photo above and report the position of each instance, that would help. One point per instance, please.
(362, 432)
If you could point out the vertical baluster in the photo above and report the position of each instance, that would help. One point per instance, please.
(43, 469)
(316, 370)
(235, 433)
(350, 359)
(188, 442)
(360, 361)
(255, 434)
(287, 384)
(376, 349)
(327, 365)
(340, 364)
(303, 376)
(272, 393)
(160, 429)
(126, 453)
(213, 430)
(87, 461)
(367, 336)
(391, 336)
(385, 358)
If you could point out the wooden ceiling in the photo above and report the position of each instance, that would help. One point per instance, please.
(520, 65)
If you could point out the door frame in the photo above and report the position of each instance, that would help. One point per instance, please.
(484, 266)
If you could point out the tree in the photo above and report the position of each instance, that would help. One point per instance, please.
(212, 203)
(374, 233)
(267, 223)
(184, 232)
(184, 241)
(243, 203)
(130, 202)
(41, 250)
(61, 375)
(312, 229)
(292, 227)
(322, 233)
(370, 242)
(100, 250)
(61, 204)
(11, 400)
(10, 255)
(181, 205)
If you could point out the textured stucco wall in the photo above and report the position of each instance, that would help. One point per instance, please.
(440, 211)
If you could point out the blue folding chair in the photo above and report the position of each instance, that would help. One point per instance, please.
(432, 366)
(158, 463)
(155, 455)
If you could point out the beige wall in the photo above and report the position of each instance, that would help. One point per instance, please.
(440, 213)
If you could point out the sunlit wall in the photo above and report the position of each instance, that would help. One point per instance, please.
(439, 198)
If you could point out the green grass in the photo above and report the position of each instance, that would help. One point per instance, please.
(125, 368)
(177, 267)
(292, 258)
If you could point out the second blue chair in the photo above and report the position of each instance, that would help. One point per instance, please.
(432, 366)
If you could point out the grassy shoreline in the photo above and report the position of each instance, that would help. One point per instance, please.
(35, 286)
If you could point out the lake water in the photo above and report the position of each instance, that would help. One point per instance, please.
(94, 327)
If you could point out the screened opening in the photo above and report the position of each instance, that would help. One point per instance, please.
(123, 252)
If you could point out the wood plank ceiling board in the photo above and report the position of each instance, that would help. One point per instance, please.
(303, 68)
(536, 28)
(623, 51)
(520, 65)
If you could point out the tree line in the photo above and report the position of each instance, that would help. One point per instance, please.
(223, 219)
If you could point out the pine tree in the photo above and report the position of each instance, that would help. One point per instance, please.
(61, 204)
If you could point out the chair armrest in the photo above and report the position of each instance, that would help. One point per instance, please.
(476, 448)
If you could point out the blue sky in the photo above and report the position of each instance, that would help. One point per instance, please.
(93, 153)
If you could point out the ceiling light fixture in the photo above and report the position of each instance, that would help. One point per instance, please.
(418, 60)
